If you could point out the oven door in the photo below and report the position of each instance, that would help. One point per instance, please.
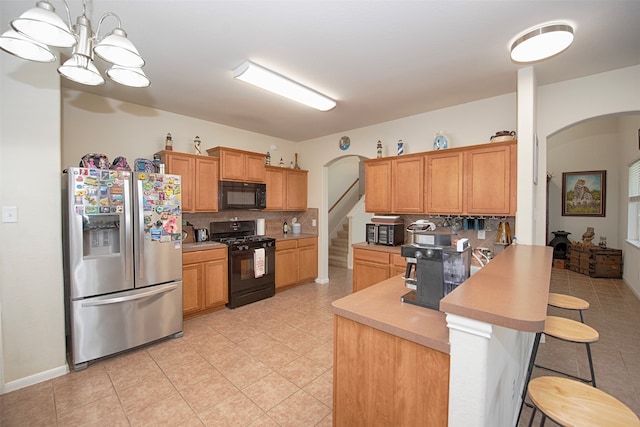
(244, 287)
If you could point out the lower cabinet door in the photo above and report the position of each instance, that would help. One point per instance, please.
(192, 288)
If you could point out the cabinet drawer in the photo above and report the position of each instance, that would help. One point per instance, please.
(203, 256)
(398, 260)
(372, 256)
(286, 244)
(306, 242)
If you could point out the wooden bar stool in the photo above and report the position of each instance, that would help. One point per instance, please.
(566, 330)
(568, 302)
(569, 330)
(572, 403)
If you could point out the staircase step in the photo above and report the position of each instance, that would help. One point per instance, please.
(337, 261)
(338, 252)
(337, 241)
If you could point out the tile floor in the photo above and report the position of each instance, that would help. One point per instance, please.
(270, 364)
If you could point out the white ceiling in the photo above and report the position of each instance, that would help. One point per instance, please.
(381, 60)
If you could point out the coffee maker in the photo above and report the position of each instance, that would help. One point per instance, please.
(434, 270)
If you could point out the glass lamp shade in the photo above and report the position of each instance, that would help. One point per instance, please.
(542, 43)
(117, 49)
(23, 47)
(128, 76)
(43, 25)
(80, 69)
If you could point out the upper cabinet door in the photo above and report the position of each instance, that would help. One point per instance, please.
(296, 190)
(377, 182)
(206, 183)
(408, 184)
(183, 165)
(254, 167)
(490, 180)
(443, 182)
(232, 167)
(276, 188)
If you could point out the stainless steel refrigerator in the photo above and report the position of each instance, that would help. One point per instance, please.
(123, 261)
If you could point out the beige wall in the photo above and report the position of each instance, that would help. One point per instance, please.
(31, 283)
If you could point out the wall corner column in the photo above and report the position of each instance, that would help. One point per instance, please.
(528, 155)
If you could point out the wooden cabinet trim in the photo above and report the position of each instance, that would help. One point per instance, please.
(286, 244)
(371, 256)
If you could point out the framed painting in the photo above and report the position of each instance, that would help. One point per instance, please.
(584, 193)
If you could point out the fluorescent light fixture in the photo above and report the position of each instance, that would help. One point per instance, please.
(273, 82)
(542, 42)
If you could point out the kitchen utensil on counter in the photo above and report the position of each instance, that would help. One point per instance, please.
(202, 234)
(503, 135)
(260, 227)
(418, 229)
(188, 235)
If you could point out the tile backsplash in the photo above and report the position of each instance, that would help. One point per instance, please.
(273, 220)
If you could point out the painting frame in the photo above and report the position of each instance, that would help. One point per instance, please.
(584, 193)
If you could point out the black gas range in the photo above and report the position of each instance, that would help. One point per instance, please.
(251, 261)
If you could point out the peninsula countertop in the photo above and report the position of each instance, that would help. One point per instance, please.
(511, 291)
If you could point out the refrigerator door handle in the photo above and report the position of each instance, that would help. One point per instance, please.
(140, 218)
(116, 300)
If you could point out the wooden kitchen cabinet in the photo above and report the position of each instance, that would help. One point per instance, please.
(286, 263)
(307, 259)
(296, 261)
(286, 189)
(443, 182)
(490, 179)
(382, 379)
(204, 281)
(407, 185)
(239, 165)
(199, 179)
(369, 267)
(377, 182)
(394, 185)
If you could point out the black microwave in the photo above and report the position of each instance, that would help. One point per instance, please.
(241, 195)
(385, 234)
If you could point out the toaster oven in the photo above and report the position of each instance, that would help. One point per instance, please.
(385, 234)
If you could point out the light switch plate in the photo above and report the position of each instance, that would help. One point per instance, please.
(9, 214)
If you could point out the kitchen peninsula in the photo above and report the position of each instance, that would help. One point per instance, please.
(461, 366)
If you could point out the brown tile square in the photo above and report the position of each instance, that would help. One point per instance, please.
(270, 390)
(94, 386)
(301, 371)
(145, 392)
(104, 411)
(237, 410)
(301, 409)
(208, 393)
(172, 410)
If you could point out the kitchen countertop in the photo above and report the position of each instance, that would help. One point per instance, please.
(379, 306)
(201, 246)
(511, 291)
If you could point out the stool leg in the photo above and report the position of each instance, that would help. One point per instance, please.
(593, 375)
(544, 418)
(533, 415)
(581, 317)
(534, 351)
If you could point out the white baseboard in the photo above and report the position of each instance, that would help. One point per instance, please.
(34, 379)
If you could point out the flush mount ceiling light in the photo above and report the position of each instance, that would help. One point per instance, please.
(273, 82)
(36, 30)
(542, 42)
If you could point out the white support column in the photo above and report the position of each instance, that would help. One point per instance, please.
(526, 221)
(469, 343)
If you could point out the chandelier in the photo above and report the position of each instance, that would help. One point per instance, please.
(38, 29)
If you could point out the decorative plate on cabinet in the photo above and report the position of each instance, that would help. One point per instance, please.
(440, 141)
(344, 143)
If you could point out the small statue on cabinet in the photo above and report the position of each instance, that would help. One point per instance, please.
(196, 145)
(588, 236)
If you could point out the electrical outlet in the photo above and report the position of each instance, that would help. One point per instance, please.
(313, 222)
(9, 214)
(481, 235)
